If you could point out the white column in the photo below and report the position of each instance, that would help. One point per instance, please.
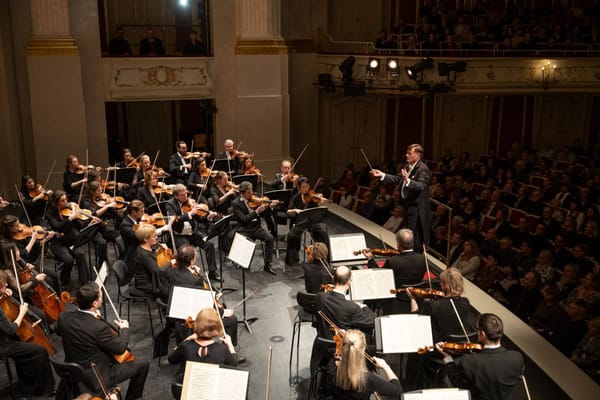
(259, 19)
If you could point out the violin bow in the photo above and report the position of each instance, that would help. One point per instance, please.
(100, 381)
(106, 180)
(112, 305)
(135, 159)
(325, 266)
(115, 184)
(269, 359)
(155, 158)
(460, 321)
(14, 264)
(22, 204)
(427, 265)
(366, 158)
(85, 174)
(239, 303)
(207, 180)
(299, 157)
(46, 183)
(214, 299)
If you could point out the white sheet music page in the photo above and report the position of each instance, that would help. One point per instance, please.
(187, 302)
(343, 246)
(204, 381)
(241, 251)
(102, 273)
(404, 333)
(370, 284)
(438, 394)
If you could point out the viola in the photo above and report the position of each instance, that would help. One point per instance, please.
(456, 348)
(164, 255)
(73, 209)
(257, 201)
(25, 232)
(44, 297)
(39, 190)
(104, 199)
(379, 252)
(423, 293)
(28, 331)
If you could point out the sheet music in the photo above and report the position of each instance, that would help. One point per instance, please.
(187, 302)
(367, 284)
(438, 394)
(204, 381)
(241, 251)
(102, 273)
(342, 247)
(403, 333)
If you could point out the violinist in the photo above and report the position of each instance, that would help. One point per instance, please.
(492, 373)
(299, 202)
(230, 153)
(145, 192)
(87, 338)
(63, 247)
(285, 179)
(409, 268)
(179, 168)
(349, 377)
(198, 177)
(248, 166)
(250, 225)
(128, 160)
(445, 322)
(191, 228)
(73, 178)
(223, 193)
(35, 199)
(150, 279)
(208, 344)
(187, 273)
(316, 269)
(31, 360)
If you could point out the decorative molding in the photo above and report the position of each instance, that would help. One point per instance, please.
(158, 78)
(270, 46)
(52, 47)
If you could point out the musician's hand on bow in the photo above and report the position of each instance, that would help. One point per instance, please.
(228, 312)
(260, 209)
(122, 324)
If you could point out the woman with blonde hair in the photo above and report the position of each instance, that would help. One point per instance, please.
(349, 377)
(208, 343)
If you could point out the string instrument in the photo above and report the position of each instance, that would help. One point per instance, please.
(105, 199)
(314, 197)
(28, 331)
(257, 201)
(291, 177)
(162, 189)
(164, 255)
(379, 252)
(133, 164)
(456, 348)
(338, 335)
(108, 394)
(82, 169)
(201, 209)
(195, 154)
(73, 209)
(66, 298)
(423, 293)
(230, 185)
(156, 219)
(238, 154)
(208, 172)
(39, 190)
(327, 287)
(252, 171)
(25, 232)
(160, 172)
(44, 297)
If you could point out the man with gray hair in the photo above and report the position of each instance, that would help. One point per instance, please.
(409, 268)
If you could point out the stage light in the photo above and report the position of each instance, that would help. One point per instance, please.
(415, 72)
(392, 66)
(346, 68)
(183, 3)
(372, 67)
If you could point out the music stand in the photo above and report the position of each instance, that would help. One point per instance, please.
(253, 179)
(241, 253)
(310, 216)
(125, 175)
(214, 230)
(224, 164)
(154, 209)
(86, 235)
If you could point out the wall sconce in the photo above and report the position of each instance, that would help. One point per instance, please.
(547, 70)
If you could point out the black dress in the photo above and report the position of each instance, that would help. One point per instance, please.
(374, 383)
(215, 353)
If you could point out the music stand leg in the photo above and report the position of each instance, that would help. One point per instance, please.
(245, 320)
(221, 261)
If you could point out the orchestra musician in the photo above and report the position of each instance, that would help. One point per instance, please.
(73, 178)
(190, 228)
(145, 192)
(444, 320)
(35, 204)
(63, 247)
(128, 160)
(179, 168)
(223, 193)
(208, 344)
(249, 223)
(31, 360)
(491, 373)
(316, 270)
(414, 181)
(87, 338)
(409, 268)
(231, 154)
(150, 279)
(198, 177)
(301, 201)
(285, 179)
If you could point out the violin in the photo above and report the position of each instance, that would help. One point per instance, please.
(81, 213)
(257, 201)
(291, 177)
(314, 197)
(82, 169)
(39, 190)
(379, 252)
(156, 219)
(164, 255)
(338, 337)
(252, 171)
(44, 297)
(456, 348)
(208, 172)
(196, 154)
(28, 331)
(423, 293)
(162, 188)
(238, 154)
(201, 209)
(160, 171)
(104, 199)
(25, 232)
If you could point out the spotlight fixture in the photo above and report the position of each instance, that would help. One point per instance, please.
(416, 71)
(444, 69)
(392, 66)
(372, 67)
(346, 69)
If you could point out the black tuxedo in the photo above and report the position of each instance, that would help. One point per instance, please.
(344, 313)
(314, 276)
(87, 339)
(179, 174)
(489, 375)
(127, 231)
(249, 225)
(416, 201)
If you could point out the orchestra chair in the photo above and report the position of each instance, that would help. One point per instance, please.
(71, 380)
(176, 389)
(280, 216)
(10, 375)
(323, 350)
(306, 313)
(127, 293)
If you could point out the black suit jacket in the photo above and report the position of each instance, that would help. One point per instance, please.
(344, 313)
(87, 339)
(248, 220)
(491, 374)
(173, 208)
(176, 168)
(131, 242)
